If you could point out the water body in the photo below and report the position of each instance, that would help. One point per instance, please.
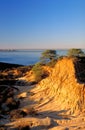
(24, 57)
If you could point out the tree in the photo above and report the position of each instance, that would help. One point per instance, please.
(75, 52)
(48, 55)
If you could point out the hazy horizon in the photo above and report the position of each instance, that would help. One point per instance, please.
(42, 24)
(40, 48)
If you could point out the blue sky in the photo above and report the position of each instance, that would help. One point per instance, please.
(41, 24)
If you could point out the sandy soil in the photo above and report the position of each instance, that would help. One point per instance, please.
(56, 103)
(46, 117)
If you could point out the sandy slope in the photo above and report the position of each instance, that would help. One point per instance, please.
(58, 101)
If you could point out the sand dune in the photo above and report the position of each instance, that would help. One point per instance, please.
(56, 102)
(61, 90)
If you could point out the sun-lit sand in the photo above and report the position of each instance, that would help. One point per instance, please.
(55, 103)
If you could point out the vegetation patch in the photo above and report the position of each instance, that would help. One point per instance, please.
(39, 72)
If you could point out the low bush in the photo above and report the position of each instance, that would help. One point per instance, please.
(52, 63)
(39, 72)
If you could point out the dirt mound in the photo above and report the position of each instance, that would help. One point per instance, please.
(61, 90)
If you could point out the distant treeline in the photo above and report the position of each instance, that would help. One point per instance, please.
(8, 50)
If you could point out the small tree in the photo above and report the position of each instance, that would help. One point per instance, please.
(75, 52)
(48, 55)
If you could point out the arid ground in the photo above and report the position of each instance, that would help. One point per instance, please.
(57, 102)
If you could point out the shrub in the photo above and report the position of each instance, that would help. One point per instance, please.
(48, 55)
(75, 52)
(38, 72)
(52, 63)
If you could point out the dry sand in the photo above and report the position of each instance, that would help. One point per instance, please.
(57, 102)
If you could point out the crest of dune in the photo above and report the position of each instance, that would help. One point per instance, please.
(61, 90)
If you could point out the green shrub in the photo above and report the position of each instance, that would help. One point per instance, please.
(39, 72)
(48, 56)
(75, 52)
(52, 63)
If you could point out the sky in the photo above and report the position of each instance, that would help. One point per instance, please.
(42, 24)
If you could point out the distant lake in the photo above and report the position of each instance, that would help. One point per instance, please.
(24, 57)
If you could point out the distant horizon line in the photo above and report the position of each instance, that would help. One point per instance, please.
(39, 48)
